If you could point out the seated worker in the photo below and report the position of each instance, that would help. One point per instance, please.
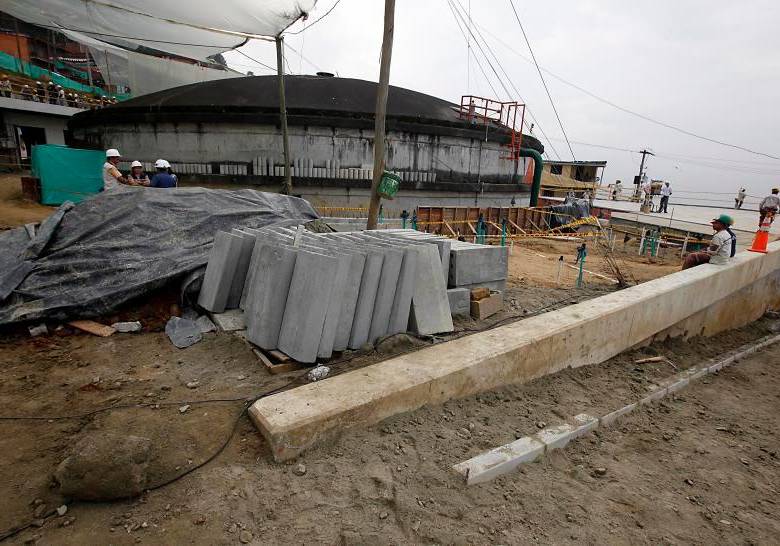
(112, 178)
(769, 206)
(137, 176)
(722, 247)
(163, 178)
(170, 172)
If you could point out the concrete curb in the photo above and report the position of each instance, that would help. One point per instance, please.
(504, 459)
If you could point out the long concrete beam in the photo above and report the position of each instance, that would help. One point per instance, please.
(586, 333)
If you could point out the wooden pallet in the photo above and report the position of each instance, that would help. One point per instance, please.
(277, 362)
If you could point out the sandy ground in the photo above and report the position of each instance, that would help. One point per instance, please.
(15, 211)
(392, 483)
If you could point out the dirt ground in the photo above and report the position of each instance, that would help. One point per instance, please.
(15, 211)
(392, 483)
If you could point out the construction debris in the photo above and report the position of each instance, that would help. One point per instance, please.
(182, 332)
(39, 330)
(92, 327)
(127, 327)
(486, 307)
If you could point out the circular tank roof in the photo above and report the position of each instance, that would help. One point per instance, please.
(310, 100)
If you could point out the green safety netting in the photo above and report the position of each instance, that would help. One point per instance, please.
(67, 174)
(14, 64)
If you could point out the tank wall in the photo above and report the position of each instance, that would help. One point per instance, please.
(450, 158)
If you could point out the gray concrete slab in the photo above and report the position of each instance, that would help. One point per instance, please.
(314, 278)
(493, 285)
(430, 312)
(460, 301)
(268, 297)
(219, 272)
(242, 266)
(477, 264)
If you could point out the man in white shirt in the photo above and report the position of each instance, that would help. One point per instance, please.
(769, 206)
(112, 178)
(666, 191)
(740, 198)
(722, 247)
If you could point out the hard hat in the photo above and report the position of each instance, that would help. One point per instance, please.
(113, 152)
(775, 190)
(160, 164)
(724, 219)
(167, 164)
(136, 164)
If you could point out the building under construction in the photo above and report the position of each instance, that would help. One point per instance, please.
(228, 130)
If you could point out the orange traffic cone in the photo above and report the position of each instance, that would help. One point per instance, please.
(762, 236)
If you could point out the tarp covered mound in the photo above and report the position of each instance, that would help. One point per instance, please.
(87, 259)
(568, 211)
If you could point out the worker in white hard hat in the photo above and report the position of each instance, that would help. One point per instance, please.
(112, 178)
(137, 176)
(163, 178)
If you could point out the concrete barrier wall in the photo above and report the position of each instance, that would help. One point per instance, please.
(703, 300)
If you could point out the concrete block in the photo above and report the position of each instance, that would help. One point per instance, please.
(499, 461)
(385, 294)
(486, 307)
(219, 272)
(556, 437)
(364, 307)
(402, 301)
(653, 396)
(460, 304)
(242, 266)
(584, 424)
(313, 280)
(696, 373)
(268, 295)
(430, 313)
(333, 314)
(609, 419)
(478, 264)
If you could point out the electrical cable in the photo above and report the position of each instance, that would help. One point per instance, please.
(547, 90)
(255, 60)
(307, 27)
(514, 88)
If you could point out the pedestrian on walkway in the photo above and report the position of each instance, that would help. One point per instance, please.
(740, 198)
(769, 206)
(666, 192)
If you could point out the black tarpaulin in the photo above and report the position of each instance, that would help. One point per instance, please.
(89, 258)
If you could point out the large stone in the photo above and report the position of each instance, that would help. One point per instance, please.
(473, 264)
(307, 304)
(267, 298)
(105, 466)
(219, 272)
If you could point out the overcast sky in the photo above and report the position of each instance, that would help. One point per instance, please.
(712, 68)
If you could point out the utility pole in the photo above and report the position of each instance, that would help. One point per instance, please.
(381, 108)
(638, 189)
(287, 184)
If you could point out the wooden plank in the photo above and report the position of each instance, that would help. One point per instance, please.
(471, 227)
(518, 228)
(280, 367)
(279, 356)
(92, 327)
(447, 225)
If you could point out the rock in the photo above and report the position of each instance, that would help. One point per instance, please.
(300, 469)
(182, 332)
(245, 536)
(398, 343)
(193, 384)
(39, 330)
(184, 408)
(600, 471)
(39, 511)
(689, 481)
(105, 466)
(127, 327)
(541, 424)
(205, 325)
(318, 373)
(62, 510)
(383, 515)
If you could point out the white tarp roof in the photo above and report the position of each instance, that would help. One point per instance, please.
(195, 29)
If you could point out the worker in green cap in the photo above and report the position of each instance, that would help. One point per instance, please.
(722, 247)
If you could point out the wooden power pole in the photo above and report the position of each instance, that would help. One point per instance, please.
(638, 188)
(287, 184)
(381, 109)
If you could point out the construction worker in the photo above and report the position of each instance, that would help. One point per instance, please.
(666, 192)
(112, 178)
(722, 247)
(769, 206)
(163, 179)
(137, 176)
(740, 198)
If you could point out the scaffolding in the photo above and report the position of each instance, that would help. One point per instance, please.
(483, 111)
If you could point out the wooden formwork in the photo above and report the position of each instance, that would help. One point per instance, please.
(454, 221)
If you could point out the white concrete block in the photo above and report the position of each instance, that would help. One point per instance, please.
(609, 419)
(499, 461)
(219, 272)
(229, 321)
(430, 313)
(556, 437)
(242, 266)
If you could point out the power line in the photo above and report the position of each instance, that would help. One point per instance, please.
(307, 27)
(549, 96)
(626, 110)
(511, 83)
(255, 60)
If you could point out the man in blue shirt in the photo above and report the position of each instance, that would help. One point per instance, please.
(162, 179)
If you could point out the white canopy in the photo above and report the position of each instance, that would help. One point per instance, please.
(195, 29)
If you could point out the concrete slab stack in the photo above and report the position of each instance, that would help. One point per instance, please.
(309, 294)
(218, 279)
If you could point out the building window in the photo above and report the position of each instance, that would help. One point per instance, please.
(556, 169)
